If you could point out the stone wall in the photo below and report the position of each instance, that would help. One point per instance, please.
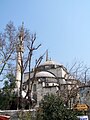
(20, 114)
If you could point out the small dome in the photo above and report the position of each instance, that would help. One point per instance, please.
(44, 74)
(49, 62)
(63, 81)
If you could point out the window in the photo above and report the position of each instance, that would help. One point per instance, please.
(34, 88)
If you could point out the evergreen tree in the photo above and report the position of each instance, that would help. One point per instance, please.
(7, 93)
(53, 108)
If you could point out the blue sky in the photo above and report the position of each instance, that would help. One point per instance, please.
(62, 26)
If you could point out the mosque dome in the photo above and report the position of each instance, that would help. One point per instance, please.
(50, 62)
(63, 81)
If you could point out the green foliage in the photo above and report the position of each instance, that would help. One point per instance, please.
(7, 94)
(53, 108)
(24, 115)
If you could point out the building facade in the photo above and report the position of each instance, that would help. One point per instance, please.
(53, 78)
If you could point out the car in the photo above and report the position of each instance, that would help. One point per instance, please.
(85, 117)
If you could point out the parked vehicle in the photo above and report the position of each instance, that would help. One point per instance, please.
(4, 117)
(83, 117)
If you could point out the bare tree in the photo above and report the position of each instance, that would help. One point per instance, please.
(11, 40)
(7, 45)
(75, 79)
(27, 44)
(30, 80)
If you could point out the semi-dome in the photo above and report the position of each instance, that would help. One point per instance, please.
(44, 74)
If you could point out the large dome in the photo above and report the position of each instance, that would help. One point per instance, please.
(50, 62)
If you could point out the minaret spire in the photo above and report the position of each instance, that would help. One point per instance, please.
(47, 55)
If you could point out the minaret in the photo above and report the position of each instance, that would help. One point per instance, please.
(46, 55)
(20, 50)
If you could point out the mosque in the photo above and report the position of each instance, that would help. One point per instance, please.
(51, 77)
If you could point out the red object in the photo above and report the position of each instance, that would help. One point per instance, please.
(4, 117)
